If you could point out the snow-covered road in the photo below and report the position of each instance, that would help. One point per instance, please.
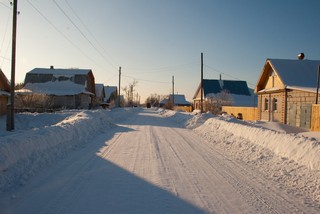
(149, 164)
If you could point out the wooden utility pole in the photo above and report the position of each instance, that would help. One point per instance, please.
(173, 90)
(201, 84)
(119, 98)
(10, 113)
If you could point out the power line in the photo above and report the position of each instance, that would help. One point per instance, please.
(84, 25)
(6, 6)
(84, 36)
(61, 33)
(144, 80)
(2, 44)
(220, 72)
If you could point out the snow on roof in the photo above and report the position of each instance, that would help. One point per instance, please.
(108, 90)
(179, 99)
(298, 73)
(55, 88)
(4, 93)
(59, 71)
(99, 88)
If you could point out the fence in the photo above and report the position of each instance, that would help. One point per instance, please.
(247, 113)
(315, 117)
(184, 108)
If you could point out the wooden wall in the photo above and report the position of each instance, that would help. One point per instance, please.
(315, 118)
(248, 113)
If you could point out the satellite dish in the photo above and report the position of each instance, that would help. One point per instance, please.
(301, 56)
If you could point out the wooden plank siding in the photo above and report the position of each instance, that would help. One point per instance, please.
(315, 118)
(248, 113)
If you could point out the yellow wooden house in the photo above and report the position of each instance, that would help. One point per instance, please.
(286, 90)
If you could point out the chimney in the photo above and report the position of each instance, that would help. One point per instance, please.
(301, 56)
(220, 76)
(51, 67)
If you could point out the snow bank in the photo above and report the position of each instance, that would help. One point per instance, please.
(303, 150)
(24, 152)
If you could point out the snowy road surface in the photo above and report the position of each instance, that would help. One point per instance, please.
(148, 164)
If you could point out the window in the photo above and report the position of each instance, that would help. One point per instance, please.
(266, 104)
(275, 104)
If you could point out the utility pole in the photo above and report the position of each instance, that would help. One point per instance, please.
(10, 113)
(119, 87)
(201, 84)
(173, 90)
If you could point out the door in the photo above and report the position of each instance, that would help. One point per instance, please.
(305, 115)
(292, 114)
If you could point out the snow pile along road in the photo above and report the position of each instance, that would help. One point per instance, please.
(24, 152)
(290, 159)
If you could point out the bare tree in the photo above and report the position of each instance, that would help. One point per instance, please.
(214, 102)
(129, 92)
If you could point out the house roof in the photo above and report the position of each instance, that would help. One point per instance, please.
(293, 73)
(179, 99)
(61, 88)
(59, 71)
(214, 86)
(99, 89)
(108, 90)
(5, 82)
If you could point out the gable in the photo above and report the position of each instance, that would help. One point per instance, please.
(288, 73)
(4, 82)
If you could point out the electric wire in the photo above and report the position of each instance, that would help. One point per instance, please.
(92, 35)
(63, 35)
(220, 72)
(4, 37)
(80, 31)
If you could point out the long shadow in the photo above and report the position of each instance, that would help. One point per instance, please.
(104, 187)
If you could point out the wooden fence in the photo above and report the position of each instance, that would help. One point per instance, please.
(184, 108)
(247, 113)
(315, 117)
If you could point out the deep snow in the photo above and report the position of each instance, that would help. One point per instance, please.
(284, 154)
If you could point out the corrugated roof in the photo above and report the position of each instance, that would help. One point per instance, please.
(238, 87)
(302, 73)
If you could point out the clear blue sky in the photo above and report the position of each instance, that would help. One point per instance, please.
(153, 40)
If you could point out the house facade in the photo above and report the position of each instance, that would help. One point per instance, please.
(4, 93)
(286, 90)
(227, 92)
(64, 88)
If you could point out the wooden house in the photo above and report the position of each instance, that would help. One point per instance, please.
(100, 94)
(111, 93)
(286, 91)
(4, 93)
(67, 88)
(237, 92)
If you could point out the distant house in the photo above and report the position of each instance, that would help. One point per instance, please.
(177, 100)
(4, 93)
(100, 94)
(235, 92)
(286, 91)
(111, 94)
(67, 88)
